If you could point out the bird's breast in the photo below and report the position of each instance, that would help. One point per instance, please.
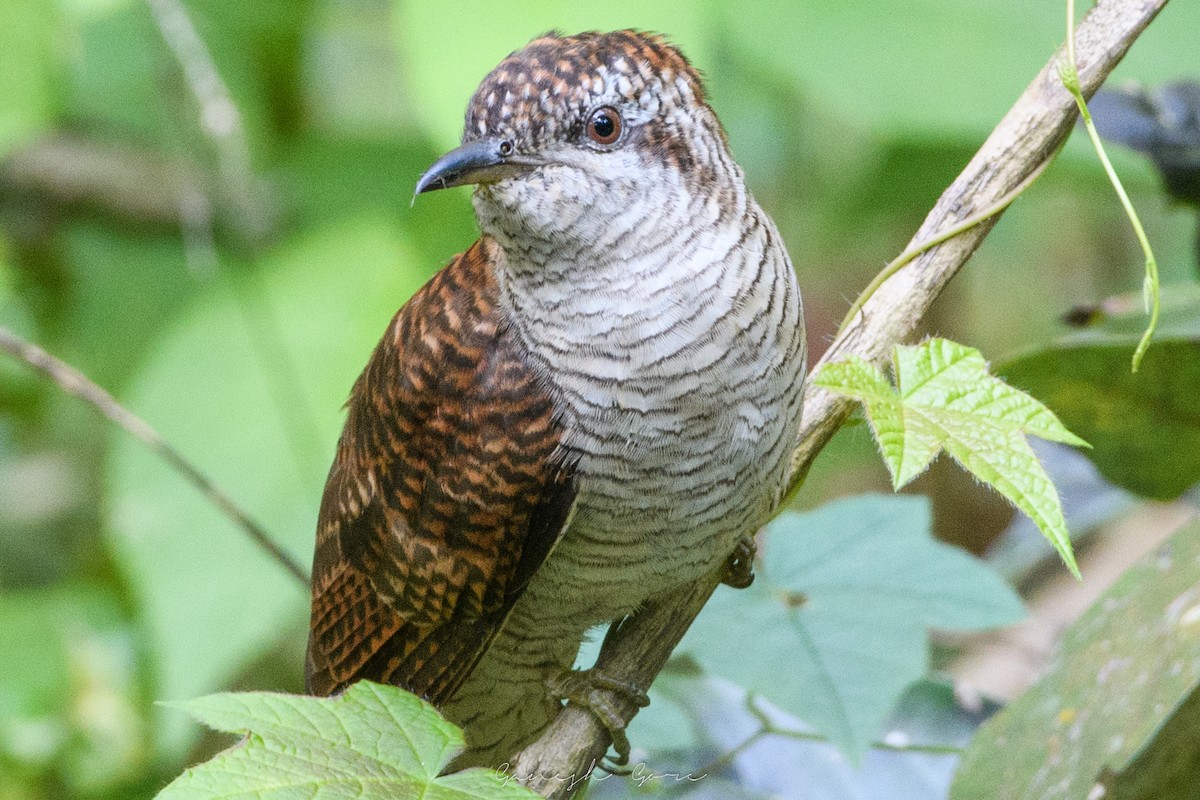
(680, 398)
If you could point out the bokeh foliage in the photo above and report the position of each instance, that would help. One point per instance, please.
(238, 333)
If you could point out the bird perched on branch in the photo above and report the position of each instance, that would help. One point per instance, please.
(593, 405)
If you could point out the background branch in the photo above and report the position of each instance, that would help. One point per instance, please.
(1028, 135)
(221, 122)
(74, 382)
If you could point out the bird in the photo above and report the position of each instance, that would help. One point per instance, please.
(592, 405)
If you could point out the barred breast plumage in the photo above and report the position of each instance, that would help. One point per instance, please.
(653, 315)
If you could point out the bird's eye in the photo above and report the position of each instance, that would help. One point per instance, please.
(604, 125)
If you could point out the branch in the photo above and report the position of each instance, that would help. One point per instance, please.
(73, 382)
(1029, 135)
(221, 122)
(131, 184)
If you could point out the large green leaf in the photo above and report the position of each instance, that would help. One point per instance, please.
(1144, 427)
(110, 81)
(446, 55)
(123, 76)
(26, 95)
(211, 600)
(372, 742)
(1168, 765)
(772, 753)
(1123, 669)
(153, 278)
(834, 628)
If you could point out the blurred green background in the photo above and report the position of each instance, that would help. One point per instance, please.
(225, 269)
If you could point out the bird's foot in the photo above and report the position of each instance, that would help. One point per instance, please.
(739, 569)
(593, 689)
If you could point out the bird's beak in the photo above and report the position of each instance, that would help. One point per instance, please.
(481, 161)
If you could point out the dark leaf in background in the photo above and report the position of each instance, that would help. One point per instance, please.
(1144, 427)
(1169, 766)
(1163, 123)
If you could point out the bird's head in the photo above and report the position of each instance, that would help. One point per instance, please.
(574, 140)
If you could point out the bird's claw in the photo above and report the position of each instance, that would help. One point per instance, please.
(592, 689)
(739, 569)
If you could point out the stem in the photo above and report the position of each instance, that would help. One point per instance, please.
(914, 250)
(1150, 285)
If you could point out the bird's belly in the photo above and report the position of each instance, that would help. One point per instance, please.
(664, 496)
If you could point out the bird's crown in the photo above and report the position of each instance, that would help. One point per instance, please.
(548, 88)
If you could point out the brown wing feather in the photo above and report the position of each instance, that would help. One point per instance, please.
(449, 488)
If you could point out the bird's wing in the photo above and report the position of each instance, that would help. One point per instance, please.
(449, 489)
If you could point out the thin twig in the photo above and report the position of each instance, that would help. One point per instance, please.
(73, 382)
(768, 727)
(917, 248)
(1151, 298)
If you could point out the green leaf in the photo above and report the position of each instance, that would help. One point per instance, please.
(1145, 428)
(928, 719)
(888, 66)
(69, 704)
(1124, 668)
(899, 55)
(153, 278)
(372, 742)
(1168, 765)
(26, 96)
(121, 67)
(210, 599)
(945, 398)
(109, 81)
(839, 612)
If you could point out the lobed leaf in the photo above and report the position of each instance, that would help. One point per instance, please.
(372, 742)
(843, 599)
(945, 398)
